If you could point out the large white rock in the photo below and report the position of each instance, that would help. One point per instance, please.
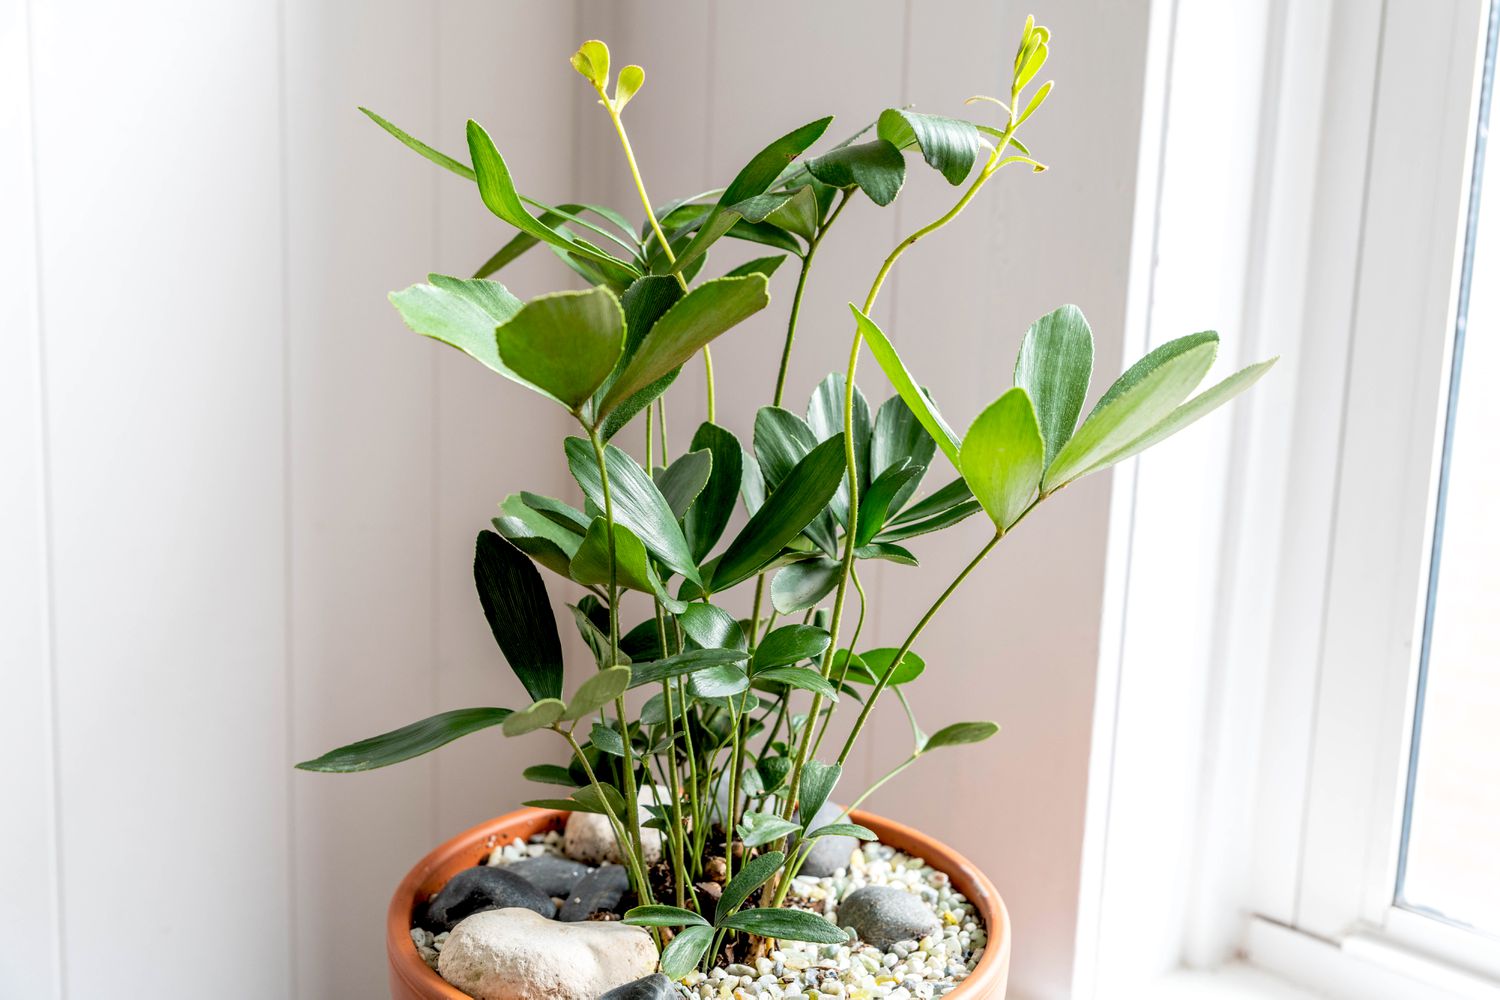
(587, 837)
(516, 954)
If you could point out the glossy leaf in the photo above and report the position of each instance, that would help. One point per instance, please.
(1054, 366)
(869, 666)
(799, 214)
(773, 772)
(781, 440)
(515, 603)
(789, 509)
(632, 566)
(598, 691)
(536, 535)
(709, 516)
(877, 168)
(462, 313)
(549, 774)
(637, 503)
(683, 953)
(754, 178)
(406, 742)
(937, 522)
(948, 145)
(890, 362)
(960, 733)
(755, 873)
(898, 435)
(802, 585)
(1139, 399)
(662, 916)
(719, 681)
(842, 830)
(537, 715)
(682, 481)
(711, 627)
(760, 265)
(818, 780)
(886, 551)
(803, 678)
(876, 504)
(565, 343)
(789, 644)
(1002, 457)
(682, 664)
(701, 315)
(789, 925)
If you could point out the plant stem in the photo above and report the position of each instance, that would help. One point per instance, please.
(791, 326)
(642, 887)
(859, 625)
(679, 871)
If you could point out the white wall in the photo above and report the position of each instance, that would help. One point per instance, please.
(240, 498)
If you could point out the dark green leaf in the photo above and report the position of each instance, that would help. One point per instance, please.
(799, 214)
(749, 878)
(707, 518)
(589, 796)
(1002, 457)
(515, 603)
(803, 584)
(762, 828)
(899, 435)
(711, 627)
(537, 715)
(406, 742)
(1054, 366)
(877, 168)
(782, 439)
(911, 529)
(946, 497)
(895, 370)
(961, 732)
(789, 509)
(760, 265)
(790, 925)
(607, 740)
(886, 551)
(682, 955)
(549, 774)
(880, 498)
(645, 301)
(869, 666)
(843, 830)
(773, 773)
(462, 313)
(789, 644)
(559, 513)
(662, 916)
(719, 681)
(566, 805)
(683, 663)
(565, 343)
(638, 504)
(817, 784)
(682, 481)
(799, 677)
(701, 315)
(632, 567)
(948, 145)
(598, 691)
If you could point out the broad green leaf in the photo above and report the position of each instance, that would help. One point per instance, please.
(789, 925)
(760, 265)
(406, 742)
(803, 584)
(645, 301)
(878, 501)
(559, 513)
(662, 916)
(701, 315)
(898, 436)
(959, 733)
(708, 517)
(537, 715)
(683, 953)
(1139, 399)
(462, 313)
(799, 214)
(789, 644)
(590, 796)
(789, 509)
(755, 178)
(1054, 366)
(799, 677)
(549, 774)
(763, 827)
(781, 439)
(825, 415)
(633, 570)
(842, 830)
(773, 773)
(598, 691)
(818, 780)
(536, 535)
(500, 197)
(711, 627)
(682, 481)
(565, 343)
(1193, 410)
(890, 362)
(515, 603)
(637, 503)
(937, 522)
(566, 805)
(948, 145)
(756, 872)
(607, 739)
(1002, 457)
(683, 663)
(877, 168)
(718, 681)
(871, 665)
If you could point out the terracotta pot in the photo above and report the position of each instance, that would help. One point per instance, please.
(411, 979)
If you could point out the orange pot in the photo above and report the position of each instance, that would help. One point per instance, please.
(411, 979)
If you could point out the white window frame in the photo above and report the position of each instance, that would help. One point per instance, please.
(1252, 769)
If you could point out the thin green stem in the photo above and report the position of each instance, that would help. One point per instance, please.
(859, 625)
(807, 261)
(632, 858)
(908, 762)
(679, 870)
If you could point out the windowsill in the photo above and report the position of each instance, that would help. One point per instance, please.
(1236, 981)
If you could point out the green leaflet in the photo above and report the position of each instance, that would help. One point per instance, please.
(948, 145)
(565, 343)
(637, 503)
(1054, 366)
(462, 313)
(515, 602)
(1002, 457)
(406, 742)
(877, 168)
(890, 362)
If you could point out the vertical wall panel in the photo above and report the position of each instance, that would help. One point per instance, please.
(361, 221)
(157, 145)
(28, 912)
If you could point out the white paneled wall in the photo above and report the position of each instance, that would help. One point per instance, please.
(239, 498)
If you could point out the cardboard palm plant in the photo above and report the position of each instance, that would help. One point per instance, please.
(731, 713)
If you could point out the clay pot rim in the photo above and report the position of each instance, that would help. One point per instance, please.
(408, 971)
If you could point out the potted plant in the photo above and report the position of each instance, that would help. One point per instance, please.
(692, 847)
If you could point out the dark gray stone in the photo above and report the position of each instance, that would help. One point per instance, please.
(882, 915)
(601, 889)
(484, 888)
(828, 854)
(653, 987)
(553, 875)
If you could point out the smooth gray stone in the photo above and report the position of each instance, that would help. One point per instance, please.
(600, 889)
(653, 987)
(484, 888)
(828, 854)
(553, 875)
(882, 915)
